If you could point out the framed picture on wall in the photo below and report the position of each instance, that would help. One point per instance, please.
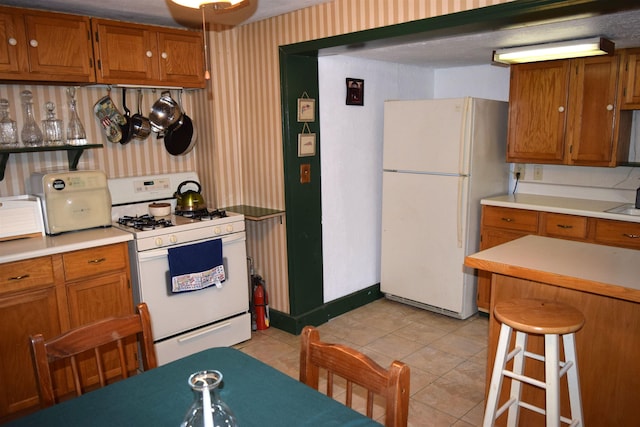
(306, 110)
(355, 91)
(306, 144)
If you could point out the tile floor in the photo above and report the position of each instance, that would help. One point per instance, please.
(446, 356)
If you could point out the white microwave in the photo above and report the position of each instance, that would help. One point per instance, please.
(72, 200)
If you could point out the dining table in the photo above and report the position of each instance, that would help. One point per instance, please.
(258, 394)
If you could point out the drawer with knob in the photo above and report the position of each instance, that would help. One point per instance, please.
(27, 274)
(95, 261)
(564, 226)
(509, 218)
(617, 233)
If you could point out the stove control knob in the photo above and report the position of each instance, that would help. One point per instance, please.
(229, 228)
(158, 241)
(173, 239)
(217, 230)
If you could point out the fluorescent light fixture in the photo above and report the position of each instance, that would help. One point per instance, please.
(215, 4)
(562, 50)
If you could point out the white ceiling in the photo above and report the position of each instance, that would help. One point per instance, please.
(622, 28)
(474, 49)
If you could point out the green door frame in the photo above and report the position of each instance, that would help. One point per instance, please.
(299, 75)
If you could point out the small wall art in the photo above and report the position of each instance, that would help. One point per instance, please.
(306, 144)
(355, 91)
(306, 110)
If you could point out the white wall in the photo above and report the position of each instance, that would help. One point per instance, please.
(482, 81)
(351, 164)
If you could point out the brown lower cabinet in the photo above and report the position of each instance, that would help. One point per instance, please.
(501, 225)
(50, 295)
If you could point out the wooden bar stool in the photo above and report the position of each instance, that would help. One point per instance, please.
(551, 319)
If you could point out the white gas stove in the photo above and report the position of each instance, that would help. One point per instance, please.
(178, 328)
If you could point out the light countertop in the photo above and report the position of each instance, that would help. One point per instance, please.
(562, 205)
(598, 269)
(16, 250)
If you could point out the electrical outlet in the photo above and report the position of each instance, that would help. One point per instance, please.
(518, 168)
(537, 173)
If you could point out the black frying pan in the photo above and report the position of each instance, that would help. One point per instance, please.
(181, 136)
(127, 128)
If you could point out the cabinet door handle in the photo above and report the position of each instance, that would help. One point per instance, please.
(609, 107)
(561, 109)
(164, 55)
(24, 276)
(149, 54)
(564, 226)
(13, 41)
(507, 219)
(96, 261)
(631, 236)
(33, 43)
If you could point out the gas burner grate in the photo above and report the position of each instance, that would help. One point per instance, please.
(203, 214)
(144, 222)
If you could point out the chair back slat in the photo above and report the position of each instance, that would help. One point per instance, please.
(356, 368)
(90, 337)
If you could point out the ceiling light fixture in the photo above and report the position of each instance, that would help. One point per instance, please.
(216, 6)
(550, 51)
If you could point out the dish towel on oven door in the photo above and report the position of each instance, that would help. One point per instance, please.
(197, 266)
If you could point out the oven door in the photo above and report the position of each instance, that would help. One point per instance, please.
(175, 313)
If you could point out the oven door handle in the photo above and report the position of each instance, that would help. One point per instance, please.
(164, 252)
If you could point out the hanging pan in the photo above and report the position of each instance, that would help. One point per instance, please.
(127, 127)
(181, 136)
(141, 125)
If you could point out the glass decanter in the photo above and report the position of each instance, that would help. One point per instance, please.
(8, 127)
(31, 134)
(52, 127)
(205, 388)
(75, 130)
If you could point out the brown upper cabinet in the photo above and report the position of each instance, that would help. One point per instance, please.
(45, 46)
(567, 112)
(630, 79)
(146, 55)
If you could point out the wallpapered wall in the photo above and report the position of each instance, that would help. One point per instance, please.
(250, 119)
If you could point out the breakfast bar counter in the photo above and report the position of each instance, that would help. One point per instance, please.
(602, 282)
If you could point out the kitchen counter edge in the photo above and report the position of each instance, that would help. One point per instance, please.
(21, 249)
(561, 205)
(603, 270)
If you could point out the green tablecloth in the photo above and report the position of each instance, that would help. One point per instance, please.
(258, 394)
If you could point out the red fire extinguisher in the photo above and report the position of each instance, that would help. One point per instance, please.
(260, 303)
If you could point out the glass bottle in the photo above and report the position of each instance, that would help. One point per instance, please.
(52, 127)
(31, 134)
(8, 127)
(75, 130)
(206, 395)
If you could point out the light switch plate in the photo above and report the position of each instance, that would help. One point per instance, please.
(305, 173)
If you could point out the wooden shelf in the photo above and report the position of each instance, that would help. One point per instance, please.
(74, 152)
(255, 213)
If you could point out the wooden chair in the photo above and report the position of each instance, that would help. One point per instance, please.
(356, 368)
(91, 337)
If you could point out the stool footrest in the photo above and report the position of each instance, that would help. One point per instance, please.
(525, 379)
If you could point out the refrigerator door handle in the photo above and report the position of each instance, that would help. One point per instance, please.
(464, 146)
(459, 212)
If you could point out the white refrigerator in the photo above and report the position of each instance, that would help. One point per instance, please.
(440, 158)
